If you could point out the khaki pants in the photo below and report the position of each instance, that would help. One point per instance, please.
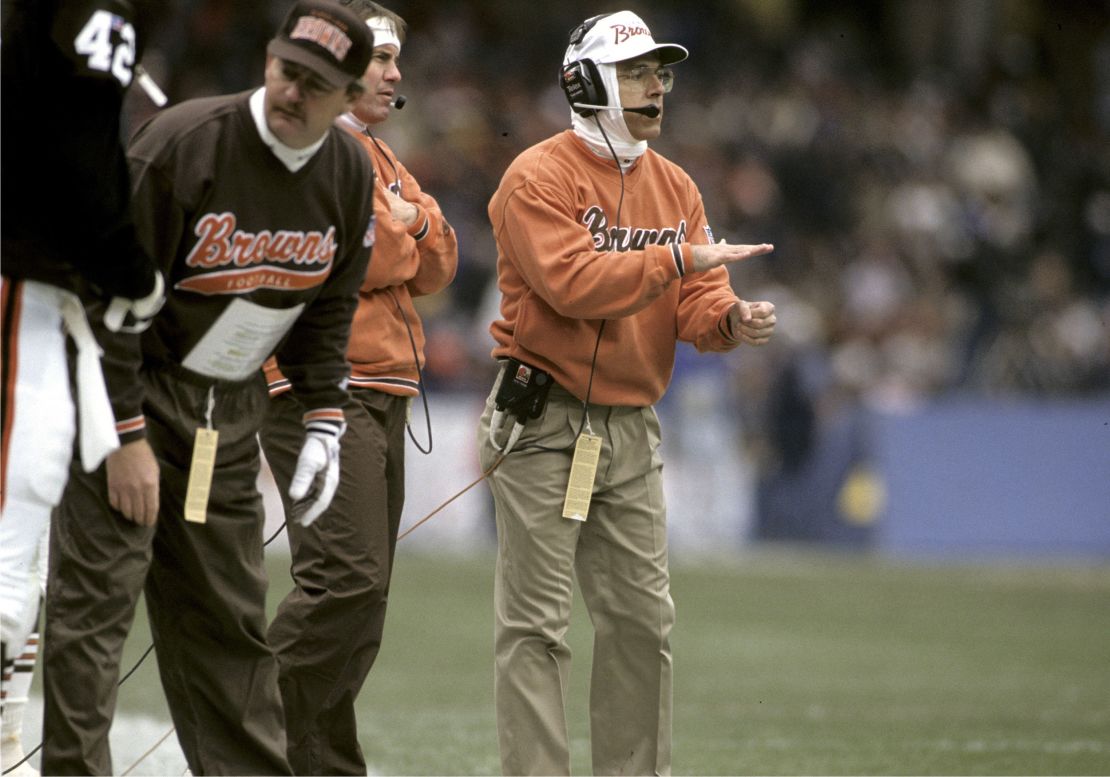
(619, 558)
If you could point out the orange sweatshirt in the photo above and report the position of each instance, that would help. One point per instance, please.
(565, 265)
(406, 262)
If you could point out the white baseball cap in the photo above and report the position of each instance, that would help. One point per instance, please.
(616, 37)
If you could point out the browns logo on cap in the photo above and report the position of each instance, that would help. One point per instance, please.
(616, 37)
(327, 38)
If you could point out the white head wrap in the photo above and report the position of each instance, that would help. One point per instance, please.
(384, 32)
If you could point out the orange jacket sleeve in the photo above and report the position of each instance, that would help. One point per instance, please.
(423, 257)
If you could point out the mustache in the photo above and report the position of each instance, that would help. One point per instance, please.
(289, 111)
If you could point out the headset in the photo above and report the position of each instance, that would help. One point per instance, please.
(580, 79)
(582, 84)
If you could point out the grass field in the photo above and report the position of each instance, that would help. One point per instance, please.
(785, 663)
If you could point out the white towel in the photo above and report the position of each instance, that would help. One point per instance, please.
(97, 423)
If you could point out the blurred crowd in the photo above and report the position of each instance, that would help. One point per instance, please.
(934, 174)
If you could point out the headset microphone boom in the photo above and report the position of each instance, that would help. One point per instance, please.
(651, 111)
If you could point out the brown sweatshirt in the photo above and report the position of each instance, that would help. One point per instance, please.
(230, 225)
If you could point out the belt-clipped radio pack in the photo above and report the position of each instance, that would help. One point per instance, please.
(523, 390)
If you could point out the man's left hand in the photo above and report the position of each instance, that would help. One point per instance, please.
(752, 322)
(316, 476)
(402, 210)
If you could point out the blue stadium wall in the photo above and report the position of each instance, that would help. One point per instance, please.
(1010, 478)
(957, 478)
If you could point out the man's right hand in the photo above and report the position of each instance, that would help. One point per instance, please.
(711, 255)
(133, 482)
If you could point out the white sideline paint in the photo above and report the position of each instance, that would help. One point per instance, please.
(131, 737)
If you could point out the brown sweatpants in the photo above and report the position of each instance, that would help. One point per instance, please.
(328, 629)
(205, 588)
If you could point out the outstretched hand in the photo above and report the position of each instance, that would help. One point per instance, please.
(706, 257)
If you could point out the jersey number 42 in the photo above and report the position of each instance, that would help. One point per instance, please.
(108, 42)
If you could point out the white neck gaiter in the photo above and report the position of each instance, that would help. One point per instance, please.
(292, 158)
(628, 149)
(348, 119)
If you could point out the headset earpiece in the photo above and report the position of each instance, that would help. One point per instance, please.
(581, 82)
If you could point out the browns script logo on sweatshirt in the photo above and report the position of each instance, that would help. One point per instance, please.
(607, 238)
(284, 260)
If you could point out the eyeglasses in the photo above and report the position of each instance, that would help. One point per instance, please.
(307, 80)
(641, 72)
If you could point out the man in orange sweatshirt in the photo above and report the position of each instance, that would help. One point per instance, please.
(605, 261)
(328, 629)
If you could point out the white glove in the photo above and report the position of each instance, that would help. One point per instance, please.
(135, 315)
(316, 477)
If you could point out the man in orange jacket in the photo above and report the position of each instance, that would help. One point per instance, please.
(605, 260)
(328, 630)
